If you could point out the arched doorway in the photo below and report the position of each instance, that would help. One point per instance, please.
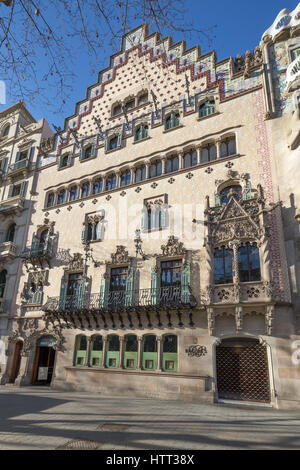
(242, 370)
(15, 369)
(44, 360)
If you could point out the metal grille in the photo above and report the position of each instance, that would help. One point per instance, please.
(80, 444)
(242, 372)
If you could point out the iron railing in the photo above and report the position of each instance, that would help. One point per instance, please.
(40, 251)
(164, 297)
(21, 165)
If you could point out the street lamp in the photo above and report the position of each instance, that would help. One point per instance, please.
(138, 244)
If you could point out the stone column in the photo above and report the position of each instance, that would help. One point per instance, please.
(139, 361)
(163, 165)
(159, 358)
(118, 182)
(132, 175)
(104, 351)
(198, 150)
(181, 160)
(23, 378)
(234, 245)
(104, 183)
(147, 169)
(121, 352)
(88, 352)
(218, 144)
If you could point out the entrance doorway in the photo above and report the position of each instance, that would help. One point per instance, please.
(44, 361)
(242, 370)
(15, 369)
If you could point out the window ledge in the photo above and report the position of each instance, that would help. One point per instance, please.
(173, 129)
(112, 150)
(202, 118)
(64, 167)
(87, 159)
(141, 140)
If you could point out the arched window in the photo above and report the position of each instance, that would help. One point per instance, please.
(172, 121)
(169, 356)
(190, 159)
(3, 275)
(207, 108)
(73, 193)
(140, 173)
(172, 164)
(155, 169)
(149, 359)
(111, 182)
(223, 265)
(117, 109)
(10, 233)
(249, 263)
(85, 190)
(125, 178)
(228, 147)
(94, 231)
(142, 99)
(61, 197)
(96, 351)
(113, 351)
(50, 200)
(6, 131)
(226, 192)
(141, 133)
(97, 186)
(208, 153)
(131, 352)
(43, 240)
(129, 104)
(80, 350)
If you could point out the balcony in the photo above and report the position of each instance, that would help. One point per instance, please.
(8, 251)
(171, 297)
(20, 168)
(248, 292)
(12, 206)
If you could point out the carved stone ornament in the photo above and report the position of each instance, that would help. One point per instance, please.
(173, 247)
(196, 351)
(120, 256)
(94, 219)
(76, 262)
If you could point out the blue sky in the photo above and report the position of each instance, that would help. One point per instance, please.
(239, 26)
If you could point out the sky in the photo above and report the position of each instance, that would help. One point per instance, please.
(239, 26)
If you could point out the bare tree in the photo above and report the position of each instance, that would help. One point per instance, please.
(39, 39)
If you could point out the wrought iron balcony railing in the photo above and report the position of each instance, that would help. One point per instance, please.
(164, 297)
(40, 251)
(21, 165)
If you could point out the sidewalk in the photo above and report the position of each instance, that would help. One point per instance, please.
(41, 418)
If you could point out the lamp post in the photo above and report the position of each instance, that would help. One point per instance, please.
(138, 244)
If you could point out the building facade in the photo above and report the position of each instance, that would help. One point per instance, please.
(162, 251)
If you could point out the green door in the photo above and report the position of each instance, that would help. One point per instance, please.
(149, 359)
(96, 352)
(81, 351)
(169, 356)
(131, 352)
(113, 352)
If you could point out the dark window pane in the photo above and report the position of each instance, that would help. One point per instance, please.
(223, 260)
(150, 343)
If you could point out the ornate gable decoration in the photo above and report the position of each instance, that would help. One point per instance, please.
(76, 263)
(234, 222)
(173, 248)
(120, 256)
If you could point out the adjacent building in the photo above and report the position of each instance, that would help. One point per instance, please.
(162, 256)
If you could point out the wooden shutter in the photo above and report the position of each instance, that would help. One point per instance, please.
(106, 144)
(93, 150)
(84, 234)
(80, 294)
(129, 288)
(104, 292)
(18, 156)
(10, 191)
(3, 165)
(248, 191)
(217, 199)
(60, 161)
(23, 188)
(144, 219)
(185, 283)
(81, 153)
(30, 154)
(63, 293)
(100, 231)
(70, 159)
(155, 287)
(119, 141)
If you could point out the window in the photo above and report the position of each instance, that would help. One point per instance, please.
(223, 260)
(140, 173)
(85, 190)
(10, 233)
(96, 351)
(6, 131)
(208, 153)
(97, 186)
(50, 200)
(169, 356)
(74, 283)
(88, 151)
(172, 121)
(117, 109)
(43, 240)
(61, 197)
(295, 53)
(172, 164)
(113, 351)
(131, 352)
(190, 159)
(171, 273)
(228, 147)
(22, 155)
(237, 190)
(80, 350)
(143, 99)
(118, 278)
(111, 182)
(16, 190)
(154, 217)
(125, 178)
(207, 108)
(3, 275)
(113, 143)
(155, 169)
(73, 193)
(149, 359)
(249, 263)
(129, 105)
(141, 133)
(94, 231)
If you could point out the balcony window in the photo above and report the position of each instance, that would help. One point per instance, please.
(172, 164)
(223, 265)
(3, 275)
(172, 121)
(208, 153)
(249, 263)
(118, 278)
(22, 156)
(228, 147)
(207, 108)
(190, 159)
(171, 273)
(125, 178)
(111, 182)
(155, 169)
(140, 174)
(141, 133)
(10, 235)
(74, 283)
(225, 193)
